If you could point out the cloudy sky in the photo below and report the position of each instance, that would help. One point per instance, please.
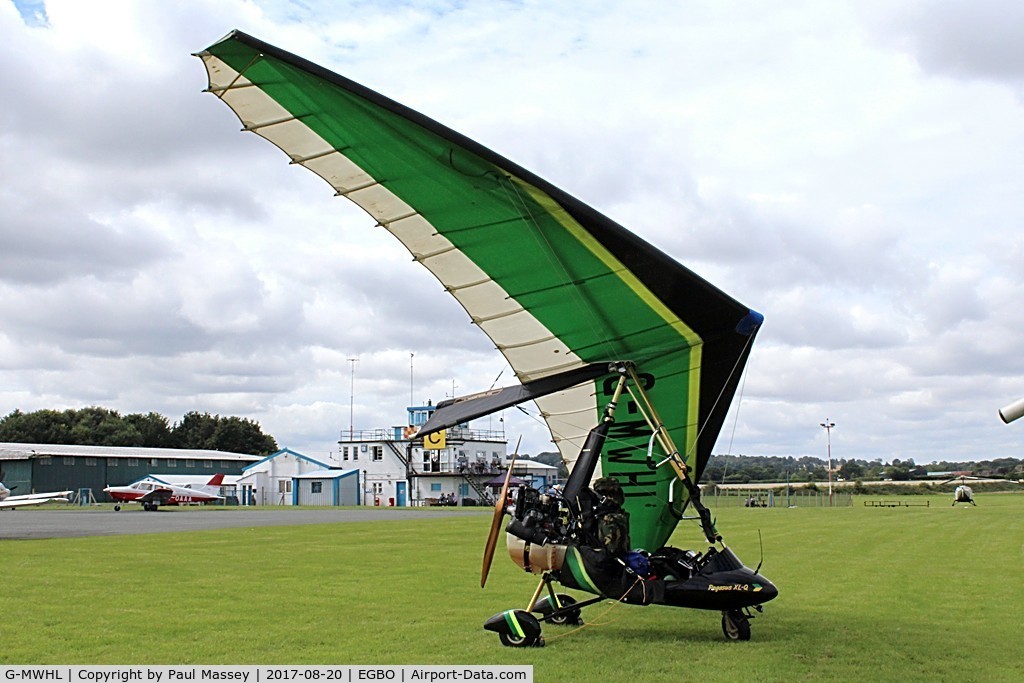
(853, 170)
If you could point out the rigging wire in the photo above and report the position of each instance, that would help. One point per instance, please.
(603, 614)
(736, 419)
(721, 392)
(499, 376)
(739, 404)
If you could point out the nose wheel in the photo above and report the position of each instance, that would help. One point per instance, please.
(736, 625)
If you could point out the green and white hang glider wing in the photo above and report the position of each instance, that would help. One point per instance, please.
(553, 283)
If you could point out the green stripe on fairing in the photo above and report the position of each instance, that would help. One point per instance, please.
(513, 624)
(575, 563)
(558, 272)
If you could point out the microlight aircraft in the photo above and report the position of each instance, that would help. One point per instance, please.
(632, 358)
(7, 501)
(154, 494)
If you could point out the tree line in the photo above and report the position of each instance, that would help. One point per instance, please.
(96, 426)
(742, 469)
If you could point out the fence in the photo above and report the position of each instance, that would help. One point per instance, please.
(82, 496)
(772, 498)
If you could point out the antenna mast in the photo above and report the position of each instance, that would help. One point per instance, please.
(352, 397)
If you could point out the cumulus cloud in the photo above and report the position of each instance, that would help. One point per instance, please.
(979, 40)
(849, 169)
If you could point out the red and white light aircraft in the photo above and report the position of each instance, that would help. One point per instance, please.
(7, 501)
(154, 494)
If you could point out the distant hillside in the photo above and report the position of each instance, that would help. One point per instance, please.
(551, 458)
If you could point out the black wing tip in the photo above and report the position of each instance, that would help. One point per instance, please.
(750, 323)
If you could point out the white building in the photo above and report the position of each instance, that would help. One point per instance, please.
(271, 481)
(398, 470)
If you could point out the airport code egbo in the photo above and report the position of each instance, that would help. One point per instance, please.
(264, 674)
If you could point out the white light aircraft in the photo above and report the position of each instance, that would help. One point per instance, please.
(7, 501)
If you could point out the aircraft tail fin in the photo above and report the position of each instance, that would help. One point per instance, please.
(218, 480)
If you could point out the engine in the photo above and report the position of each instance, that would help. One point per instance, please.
(539, 517)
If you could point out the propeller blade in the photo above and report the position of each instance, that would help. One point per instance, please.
(499, 512)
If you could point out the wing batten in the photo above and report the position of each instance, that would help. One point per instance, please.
(349, 191)
(249, 127)
(420, 258)
(384, 223)
(579, 282)
(219, 91)
(481, 226)
(481, 320)
(520, 345)
(452, 289)
(301, 160)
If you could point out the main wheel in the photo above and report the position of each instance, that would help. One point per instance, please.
(509, 640)
(571, 617)
(736, 625)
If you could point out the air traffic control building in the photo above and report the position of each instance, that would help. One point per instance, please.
(49, 467)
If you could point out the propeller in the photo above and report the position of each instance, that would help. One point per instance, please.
(3, 475)
(499, 512)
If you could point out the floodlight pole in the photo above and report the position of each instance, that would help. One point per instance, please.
(828, 436)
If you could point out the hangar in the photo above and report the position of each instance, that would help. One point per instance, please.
(87, 469)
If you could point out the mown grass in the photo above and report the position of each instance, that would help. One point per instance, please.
(910, 594)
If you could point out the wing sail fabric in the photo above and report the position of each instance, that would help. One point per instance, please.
(554, 284)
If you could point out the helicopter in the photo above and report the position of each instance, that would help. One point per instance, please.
(963, 494)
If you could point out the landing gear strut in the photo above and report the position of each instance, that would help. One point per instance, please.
(521, 628)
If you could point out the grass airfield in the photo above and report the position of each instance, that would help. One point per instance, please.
(910, 594)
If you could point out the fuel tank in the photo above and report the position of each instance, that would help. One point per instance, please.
(535, 558)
